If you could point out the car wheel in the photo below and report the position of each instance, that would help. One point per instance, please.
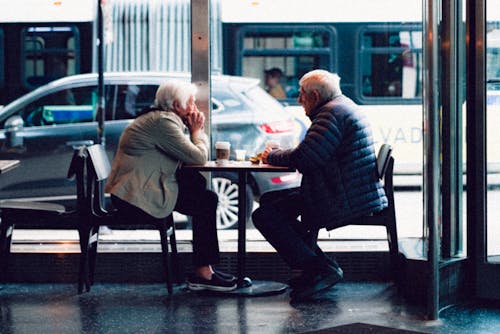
(227, 210)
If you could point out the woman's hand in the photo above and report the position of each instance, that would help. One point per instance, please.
(195, 121)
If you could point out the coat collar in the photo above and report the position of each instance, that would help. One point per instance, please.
(325, 106)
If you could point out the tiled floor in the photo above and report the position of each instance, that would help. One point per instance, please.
(126, 308)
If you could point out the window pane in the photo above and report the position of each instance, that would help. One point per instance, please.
(390, 63)
(378, 56)
(73, 105)
(49, 53)
(493, 141)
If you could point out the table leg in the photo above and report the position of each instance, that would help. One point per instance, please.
(242, 215)
(247, 287)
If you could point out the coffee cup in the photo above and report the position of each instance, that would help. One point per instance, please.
(222, 152)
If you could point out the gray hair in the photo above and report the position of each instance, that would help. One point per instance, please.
(326, 83)
(174, 90)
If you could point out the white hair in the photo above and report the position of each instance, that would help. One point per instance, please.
(326, 83)
(174, 90)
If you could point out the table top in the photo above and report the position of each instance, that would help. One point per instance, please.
(237, 166)
(6, 165)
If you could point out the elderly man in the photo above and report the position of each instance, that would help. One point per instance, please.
(146, 184)
(340, 182)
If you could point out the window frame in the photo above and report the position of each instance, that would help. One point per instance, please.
(253, 30)
(68, 53)
(363, 51)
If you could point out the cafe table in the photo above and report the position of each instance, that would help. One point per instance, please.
(246, 286)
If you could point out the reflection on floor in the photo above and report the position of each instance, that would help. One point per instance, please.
(146, 308)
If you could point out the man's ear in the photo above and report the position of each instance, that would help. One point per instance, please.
(316, 95)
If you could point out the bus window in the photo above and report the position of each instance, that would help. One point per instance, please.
(48, 53)
(295, 50)
(493, 63)
(390, 63)
(493, 52)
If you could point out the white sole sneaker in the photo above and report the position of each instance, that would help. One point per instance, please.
(201, 286)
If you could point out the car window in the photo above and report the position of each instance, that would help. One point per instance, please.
(261, 98)
(65, 106)
(131, 99)
(228, 99)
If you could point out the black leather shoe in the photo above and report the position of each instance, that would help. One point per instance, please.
(300, 281)
(320, 282)
(304, 279)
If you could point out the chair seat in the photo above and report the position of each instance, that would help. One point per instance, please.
(374, 218)
(387, 216)
(44, 215)
(36, 206)
(98, 169)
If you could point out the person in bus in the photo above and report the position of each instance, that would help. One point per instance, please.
(273, 83)
(339, 182)
(146, 183)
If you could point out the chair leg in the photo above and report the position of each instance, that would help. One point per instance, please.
(83, 275)
(93, 243)
(5, 239)
(174, 259)
(392, 238)
(166, 259)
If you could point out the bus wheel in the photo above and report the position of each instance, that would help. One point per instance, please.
(227, 210)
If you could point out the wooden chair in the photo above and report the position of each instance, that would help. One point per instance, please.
(98, 168)
(44, 215)
(386, 217)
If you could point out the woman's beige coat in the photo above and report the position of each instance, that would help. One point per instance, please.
(148, 155)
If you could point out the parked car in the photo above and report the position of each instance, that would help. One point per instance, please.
(43, 127)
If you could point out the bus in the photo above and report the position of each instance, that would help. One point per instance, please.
(376, 52)
(41, 41)
(374, 46)
(44, 40)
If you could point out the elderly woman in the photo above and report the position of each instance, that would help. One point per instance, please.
(339, 182)
(145, 183)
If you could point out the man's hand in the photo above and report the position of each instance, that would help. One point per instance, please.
(265, 153)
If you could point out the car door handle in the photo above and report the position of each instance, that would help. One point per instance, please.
(76, 144)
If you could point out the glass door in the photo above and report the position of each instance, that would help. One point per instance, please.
(485, 219)
(493, 135)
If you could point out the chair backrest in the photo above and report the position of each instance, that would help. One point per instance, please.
(99, 161)
(76, 171)
(383, 157)
(98, 169)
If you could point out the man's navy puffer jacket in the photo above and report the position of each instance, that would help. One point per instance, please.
(338, 165)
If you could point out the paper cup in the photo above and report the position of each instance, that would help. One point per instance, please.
(222, 152)
(240, 155)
